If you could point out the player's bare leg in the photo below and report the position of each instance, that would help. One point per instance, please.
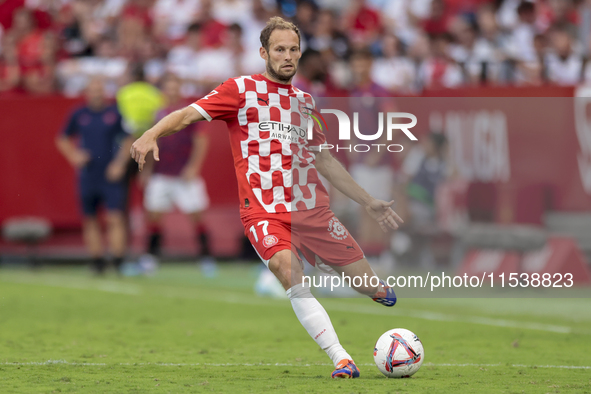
(155, 233)
(382, 293)
(117, 236)
(207, 262)
(359, 269)
(289, 270)
(155, 217)
(91, 232)
(196, 217)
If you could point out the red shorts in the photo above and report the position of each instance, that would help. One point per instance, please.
(316, 233)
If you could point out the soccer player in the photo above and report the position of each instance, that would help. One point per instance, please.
(284, 207)
(101, 165)
(176, 180)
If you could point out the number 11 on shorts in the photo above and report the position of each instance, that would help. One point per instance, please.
(253, 230)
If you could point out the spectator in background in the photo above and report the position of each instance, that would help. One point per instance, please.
(438, 20)
(133, 28)
(506, 14)
(392, 70)
(475, 54)
(200, 67)
(29, 39)
(562, 64)
(244, 62)
(181, 59)
(215, 64)
(254, 23)
(402, 17)
(7, 10)
(304, 19)
(176, 180)
(562, 14)
(151, 56)
(363, 23)
(229, 12)
(439, 70)
(520, 45)
(311, 74)
(10, 71)
(333, 45)
(584, 34)
(173, 17)
(213, 30)
(491, 36)
(100, 157)
(418, 53)
(74, 74)
(97, 19)
(70, 32)
(494, 41)
(327, 39)
(39, 78)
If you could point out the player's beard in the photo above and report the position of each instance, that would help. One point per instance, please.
(284, 78)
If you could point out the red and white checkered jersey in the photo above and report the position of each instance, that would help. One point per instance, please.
(274, 160)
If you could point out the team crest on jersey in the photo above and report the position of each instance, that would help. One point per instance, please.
(270, 240)
(304, 110)
(336, 229)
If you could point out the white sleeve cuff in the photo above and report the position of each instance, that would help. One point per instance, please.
(202, 112)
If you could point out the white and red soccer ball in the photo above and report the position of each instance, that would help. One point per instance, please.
(398, 353)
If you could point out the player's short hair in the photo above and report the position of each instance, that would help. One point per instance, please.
(277, 23)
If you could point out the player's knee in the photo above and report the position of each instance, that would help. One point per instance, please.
(88, 219)
(115, 219)
(287, 268)
(280, 267)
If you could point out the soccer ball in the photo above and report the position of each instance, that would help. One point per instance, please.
(398, 353)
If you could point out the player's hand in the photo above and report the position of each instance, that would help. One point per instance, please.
(189, 173)
(141, 147)
(115, 171)
(79, 158)
(386, 217)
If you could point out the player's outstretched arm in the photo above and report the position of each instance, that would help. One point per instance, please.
(170, 124)
(338, 176)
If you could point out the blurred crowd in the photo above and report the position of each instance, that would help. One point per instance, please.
(56, 46)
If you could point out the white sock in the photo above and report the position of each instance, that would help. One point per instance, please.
(315, 320)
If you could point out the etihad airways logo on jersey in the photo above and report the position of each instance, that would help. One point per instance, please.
(284, 131)
(344, 121)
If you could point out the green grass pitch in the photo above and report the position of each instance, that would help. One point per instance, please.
(178, 332)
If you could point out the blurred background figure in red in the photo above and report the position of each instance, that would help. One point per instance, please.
(175, 181)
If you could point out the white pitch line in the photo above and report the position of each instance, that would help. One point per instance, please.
(240, 298)
(436, 316)
(64, 362)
